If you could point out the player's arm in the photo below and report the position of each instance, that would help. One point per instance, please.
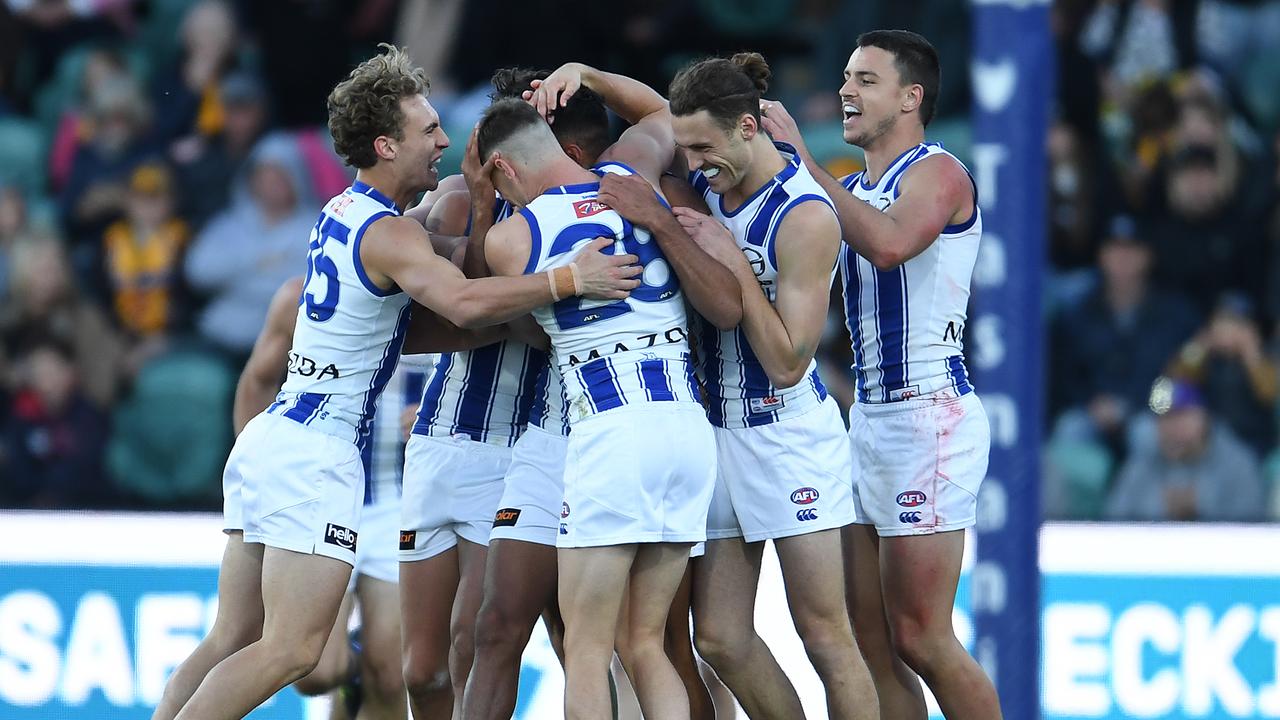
(679, 193)
(934, 193)
(480, 197)
(784, 334)
(422, 211)
(260, 380)
(395, 251)
(430, 333)
(648, 145)
(710, 286)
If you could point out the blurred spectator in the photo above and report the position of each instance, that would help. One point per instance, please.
(207, 165)
(95, 192)
(143, 255)
(244, 254)
(1076, 181)
(1138, 40)
(101, 66)
(188, 96)
(1210, 237)
(1230, 33)
(1227, 358)
(1198, 470)
(55, 436)
(13, 224)
(44, 302)
(1108, 351)
(49, 29)
(1272, 283)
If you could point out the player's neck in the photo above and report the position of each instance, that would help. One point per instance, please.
(382, 180)
(766, 163)
(880, 154)
(560, 171)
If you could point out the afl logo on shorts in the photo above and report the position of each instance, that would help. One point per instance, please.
(344, 538)
(564, 510)
(911, 498)
(805, 496)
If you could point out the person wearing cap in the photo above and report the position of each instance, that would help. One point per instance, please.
(1198, 469)
(143, 253)
(1107, 351)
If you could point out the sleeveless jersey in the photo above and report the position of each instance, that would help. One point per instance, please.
(613, 352)
(549, 411)
(349, 331)
(739, 392)
(907, 324)
(483, 393)
(386, 472)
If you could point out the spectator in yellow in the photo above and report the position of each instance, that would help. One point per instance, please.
(143, 254)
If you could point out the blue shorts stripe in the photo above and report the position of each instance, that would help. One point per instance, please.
(959, 375)
(305, 407)
(602, 389)
(653, 378)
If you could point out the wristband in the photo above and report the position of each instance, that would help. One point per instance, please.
(577, 280)
(562, 283)
(551, 280)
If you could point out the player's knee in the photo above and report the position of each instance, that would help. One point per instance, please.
(497, 630)
(462, 638)
(914, 644)
(383, 679)
(425, 681)
(825, 636)
(721, 646)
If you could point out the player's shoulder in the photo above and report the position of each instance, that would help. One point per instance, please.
(939, 168)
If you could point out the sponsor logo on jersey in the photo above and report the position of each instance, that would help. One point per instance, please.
(341, 204)
(805, 496)
(506, 517)
(670, 337)
(766, 404)
(587, 208)
(910, 517)
(807, 514)
(306, 367)
(344, 538)
(912, 498)
(408, 539)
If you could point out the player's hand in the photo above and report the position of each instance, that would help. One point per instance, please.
(478, 173)
(715, 239)
(632, 197)
(556, 90)
(779, 123)
(606, 277)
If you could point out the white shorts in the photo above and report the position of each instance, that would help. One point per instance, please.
(787, 478)
(638, 473)
(293, 487)
(380, 529)
(533, 492)
(451, 490)
(919, 463)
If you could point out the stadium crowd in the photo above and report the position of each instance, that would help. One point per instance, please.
(137, 139)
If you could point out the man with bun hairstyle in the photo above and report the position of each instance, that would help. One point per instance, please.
(920, 436)
(784, 462)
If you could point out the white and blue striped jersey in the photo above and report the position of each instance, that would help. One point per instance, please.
(613, 352)
(549, 410)
(483, 393)
(739, 392)
(349, 332)
(907, 324)
(386, 474)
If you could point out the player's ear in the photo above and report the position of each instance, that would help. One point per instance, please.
(504, 166)
(385, 147)
(748, 126)
(913, 97)
(574, 151)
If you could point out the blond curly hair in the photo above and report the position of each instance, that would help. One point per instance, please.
(367, 104)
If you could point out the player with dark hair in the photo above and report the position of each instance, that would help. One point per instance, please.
(920, 435)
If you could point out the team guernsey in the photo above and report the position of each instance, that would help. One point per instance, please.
(640, 460)
(300, 472)
(610, 353)
(739, 392)
(349, 331)
(907, 324)
(483, 394)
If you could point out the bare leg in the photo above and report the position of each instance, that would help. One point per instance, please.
(680, 650)
(239, 623)
(724, 606)
(655, 577)
(591, 586)
(380, 671)
(920, 575)
(462, 626)
(427, 589)
(896, 684)
(336, 663)
(300, 596)
(814, 581)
